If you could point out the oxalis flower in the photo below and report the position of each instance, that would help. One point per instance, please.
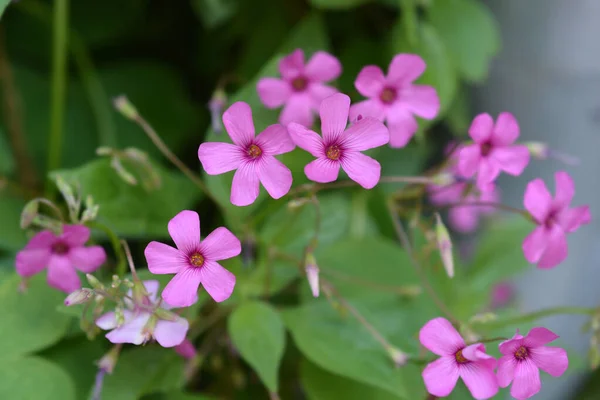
(547, 244)
(340, 146)
(253, 157)
(493, 150)
(471, 363)
(140, 324)
(63, 255)
(301, 88)
(394, 98)
(524, 357)
(193, 262)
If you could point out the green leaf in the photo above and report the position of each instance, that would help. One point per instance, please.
(267, 278)
(101, 23)
(320, 384)
(131, 210)
(258, 333)
(3, 4)
(186, 396)
(7, 164)
(12, 237)
(470, 33)
(144, 370)
(214, 12)
(338, 4)
(440, 72)
(34, 378)
(29, 320)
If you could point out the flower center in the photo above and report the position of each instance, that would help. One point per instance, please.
(299, 83)
(254, 151)
(521, 353)
(550, 220)
(388, 95)
(486, 148)
(60, 248)
(460, 358)
(333, 152)
(197, 259)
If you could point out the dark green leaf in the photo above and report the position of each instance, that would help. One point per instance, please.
(214, 12)
(12, 237)
(258, 333)
(3, 4)
(338, 4)
(7, 164)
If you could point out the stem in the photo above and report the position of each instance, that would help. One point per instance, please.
(316, 187)
(404, 240)
(129, 260)
(499, 323)
(499, 206)
(116, 245)
(315, 239)
(59, 83)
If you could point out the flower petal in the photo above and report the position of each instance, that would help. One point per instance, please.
(571, 219)
(273, 92)
(75, 235)
(365, 134)
(131, 331)
(367, 108)
(506, 130)
(537, 200)
(306, 139)
(564, 189)
(361, 169)
(440, 337)
(479, 379)
(163, 259)
(186, 349)
(107, 321)
(322, 170)
(274, 176)
(221, 244)
(488, 172)
(508, 347)
(469, 158)
(539, 336)
(506, 370)
(31, 261)
(334, 116)
(552, 360)
(511, 160)
(274, 140)
(402, 126)
(440, 376)
(41, 240)
(238, 123)
(182, 290)
(476, 353)
(556, 249)
(152, 287)
(62, 275)
(319, 92)
(170, 333)
(535, 244)
(405, 68)
(292, 65)
(217, 281)
(298, 109)
(370, 81)
(184, 229)
(244, 188)
(527, 380)
(322, 67)
(481, 128)
(87, 259)
(421, 100)
(218, 158)
(464, 219)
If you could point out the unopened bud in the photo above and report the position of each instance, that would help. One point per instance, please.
(109, 360)
(104, 151)
(297, 203)
(67, 191)
(91, 210)
(124, 106)
(443, 179)
(138, 292)
(483, 318)
(96, 284)
(161, 313)
(444, 245)
(216, 106)
(541, 151)
(30, 211)
(80, 296)
(186, 349)
(119, 316)
(399, 357)
(312, 274)
(127, 176)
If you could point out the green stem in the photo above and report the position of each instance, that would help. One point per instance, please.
(519, 319)
(498, 206)
(59, 84)
(116, 245)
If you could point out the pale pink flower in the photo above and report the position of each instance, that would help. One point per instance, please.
(522, 359)
(502, 294)
(63, 255)
(301, 87)
(471, 363)
(193, 262)
(394, 98)
(547, 244)
(253, 157)
(140, 324)
(340, 146)
(186, 349)
(494, 149)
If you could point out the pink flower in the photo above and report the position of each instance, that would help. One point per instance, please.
(63, 255)
(194, 262)
(302, 88)
(140, 324)
(502, 293)
(471, 363)
(524, 357)
(253, 157)
(394, 98)
(186, 349)
(547, 244)
(493, 150)
(340, 146)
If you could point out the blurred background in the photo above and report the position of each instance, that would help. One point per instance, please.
(539, 59)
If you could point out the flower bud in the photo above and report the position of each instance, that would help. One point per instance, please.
(96, 284)
(67, 192)
(297, 203)
(399, 357)
(215, 106)
(541, 151)
(443, 179)
(104, 151)
(186, 349)
(80, 296)
(167, 315)
(109, 360)
(444, 245)
(312, 274)
(127, 176)
(30, 211)
(124, 106)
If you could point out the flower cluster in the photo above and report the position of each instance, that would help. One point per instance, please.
(522, 358)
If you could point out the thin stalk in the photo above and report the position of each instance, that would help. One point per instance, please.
(116, 245)
(316, 187)
(498, 206)
(499, 323)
